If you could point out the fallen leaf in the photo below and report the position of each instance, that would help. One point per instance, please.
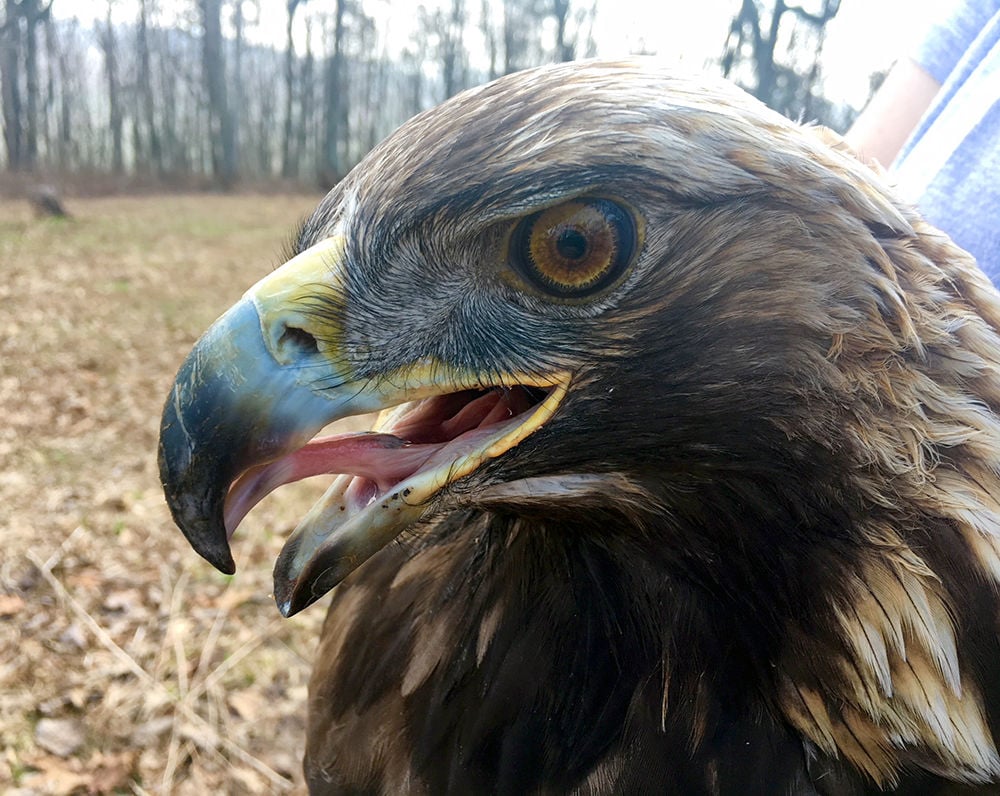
(109, 772)
(88, 579)
(102, 773)
(54, 776)
(246, 704)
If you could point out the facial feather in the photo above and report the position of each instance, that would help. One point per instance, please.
(762, 531)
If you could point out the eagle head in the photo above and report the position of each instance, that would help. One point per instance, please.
(653, 323)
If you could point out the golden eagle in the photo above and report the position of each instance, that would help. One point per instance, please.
(691, 430)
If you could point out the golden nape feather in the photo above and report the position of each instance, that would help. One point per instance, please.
(689, 429)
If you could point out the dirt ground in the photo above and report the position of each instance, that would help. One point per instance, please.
(128, 664)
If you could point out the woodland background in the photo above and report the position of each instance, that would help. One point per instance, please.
(182, 139)
(195, 93)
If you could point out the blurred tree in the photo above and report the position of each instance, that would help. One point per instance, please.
(194, 89)
(307, 105)
(33, 13)
(220, 117)
(521, 24)
(173, 77)
(453, 55)
(289, 157)
(488, 28)
(371, 86)
(334, 102)
(759, 32)
(57, 105)
(261, 113)
(520, 32)
(574, 29)
(19, 45)
(361, 55)
(411, 63)
(440, 33)
(10, 90)
(109, 46)
(565, 49)
(241, 21)
(148, 152)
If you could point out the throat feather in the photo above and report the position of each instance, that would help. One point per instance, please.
(888, 687)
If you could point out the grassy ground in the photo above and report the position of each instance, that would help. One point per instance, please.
(136, 667)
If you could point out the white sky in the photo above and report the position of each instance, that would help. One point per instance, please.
(864, 37)
(867, 35)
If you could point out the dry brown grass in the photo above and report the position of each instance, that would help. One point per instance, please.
(128, 664)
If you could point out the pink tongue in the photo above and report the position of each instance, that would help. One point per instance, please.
(358, 454)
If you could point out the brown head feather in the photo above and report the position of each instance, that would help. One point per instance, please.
(757, 549)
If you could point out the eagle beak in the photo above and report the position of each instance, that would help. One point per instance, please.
(266, 378)
(253, 388)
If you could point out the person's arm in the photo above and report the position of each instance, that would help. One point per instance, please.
(885, 124)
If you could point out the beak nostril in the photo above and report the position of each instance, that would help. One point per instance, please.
(297, 341)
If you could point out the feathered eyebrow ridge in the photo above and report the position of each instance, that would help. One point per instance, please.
(678, 462)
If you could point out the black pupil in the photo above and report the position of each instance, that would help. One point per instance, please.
(571, 244)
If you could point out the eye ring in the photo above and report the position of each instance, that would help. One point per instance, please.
(574, 249)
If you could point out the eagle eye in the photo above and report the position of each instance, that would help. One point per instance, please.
(574, 249)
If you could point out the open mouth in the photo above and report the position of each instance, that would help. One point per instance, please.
(245, 409)
(411, 439)
(387, 478)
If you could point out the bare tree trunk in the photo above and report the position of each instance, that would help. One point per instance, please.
(510, 48)
(590, 51)
(67, 151)
(11, 89)
(747, 28)
(145, 87)
(452, 61)
(522, 19)
(378, 82)
(335, 103)
(239, 97)
(49, 122)
(220, 117)
(490, 35)
(413, 83)
(565, 50)
(21, 120)
(305, 101)
(32, 14)
(170, 145)
(289, 165)
(109, 45)
(265, 131)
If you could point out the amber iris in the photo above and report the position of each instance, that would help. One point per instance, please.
(576, 248)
